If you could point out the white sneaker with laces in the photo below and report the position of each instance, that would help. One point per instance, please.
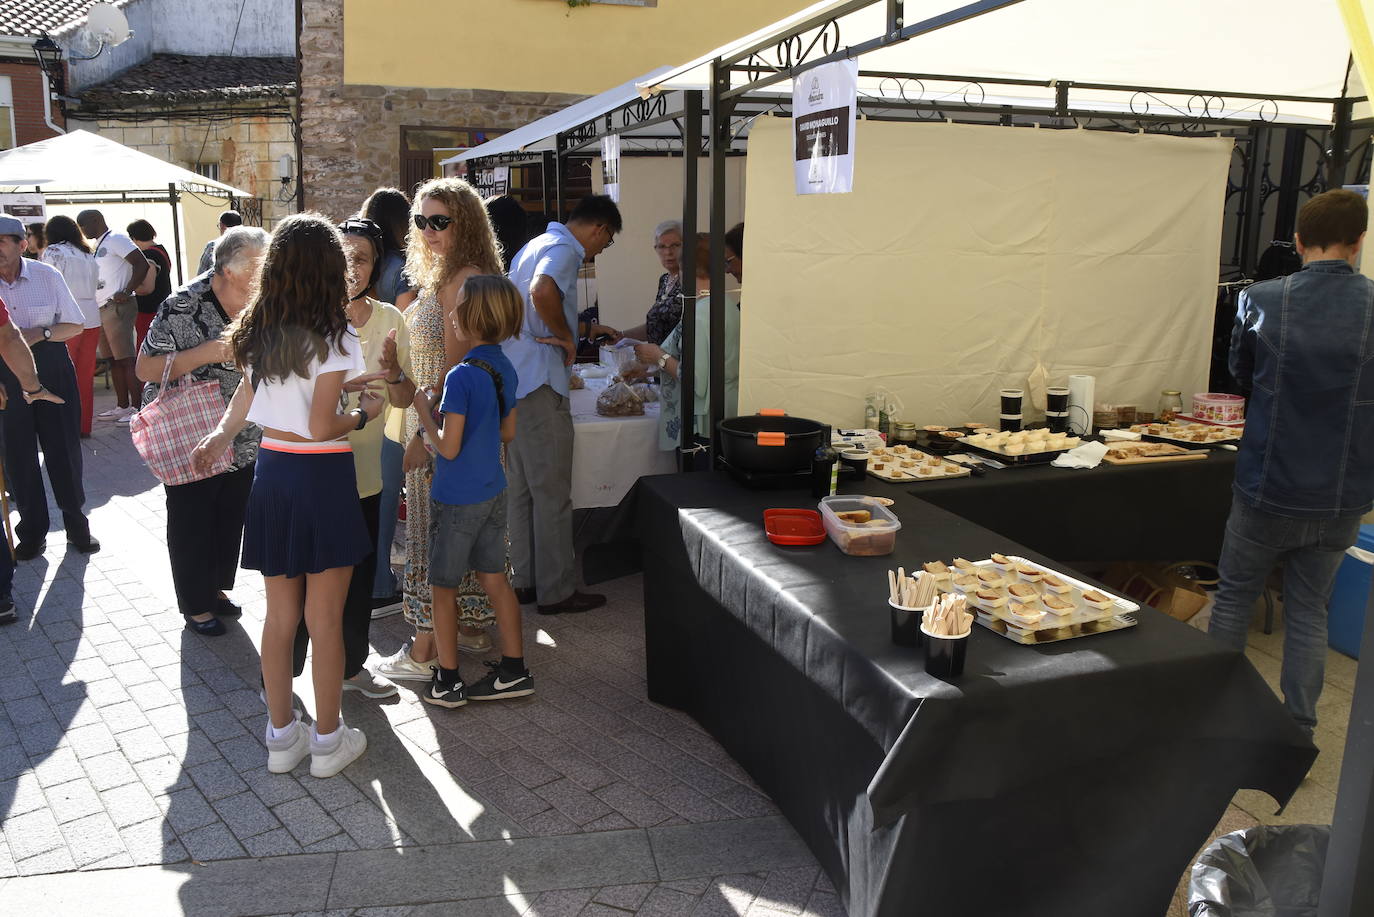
(326, 760)
(111, 413)
(401, 666)
(283, 754)
(127, 416)
(369, 685)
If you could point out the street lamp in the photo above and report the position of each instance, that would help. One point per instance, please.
(50, 62)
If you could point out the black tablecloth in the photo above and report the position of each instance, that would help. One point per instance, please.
(1064, 779)
(1166, 511)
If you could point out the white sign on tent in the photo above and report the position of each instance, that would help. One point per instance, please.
(823, 108)
(610, 166)
(31, 207)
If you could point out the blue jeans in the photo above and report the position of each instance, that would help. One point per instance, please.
(384, 583)
(1310, 551)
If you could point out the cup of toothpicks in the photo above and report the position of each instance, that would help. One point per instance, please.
(909, 597)
(946, 625)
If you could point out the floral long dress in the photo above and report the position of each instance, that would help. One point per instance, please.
(425, 321)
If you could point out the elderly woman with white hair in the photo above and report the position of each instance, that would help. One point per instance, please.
(205, 518)
(666, 311)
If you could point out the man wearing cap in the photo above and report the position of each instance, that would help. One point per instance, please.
(227, 220)
(42, 308)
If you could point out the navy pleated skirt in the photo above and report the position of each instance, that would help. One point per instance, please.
(303, 512)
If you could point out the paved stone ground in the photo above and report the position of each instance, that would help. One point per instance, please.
(133, 780)
(132, 766)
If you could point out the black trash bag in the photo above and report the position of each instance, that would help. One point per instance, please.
(1268, 871)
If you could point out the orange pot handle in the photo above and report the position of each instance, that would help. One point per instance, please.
(772, 412)
(771, 439)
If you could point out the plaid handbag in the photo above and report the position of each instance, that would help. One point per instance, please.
(167, 429)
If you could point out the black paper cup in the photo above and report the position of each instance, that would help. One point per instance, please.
(906, 624)
(1011, 400)
(1057, 422)
(1010, 423)
(945, 655)
(1056, 400)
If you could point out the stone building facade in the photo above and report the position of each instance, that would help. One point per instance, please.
(231, 119)
(353, 135)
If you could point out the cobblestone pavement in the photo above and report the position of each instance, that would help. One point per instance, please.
(133, 778)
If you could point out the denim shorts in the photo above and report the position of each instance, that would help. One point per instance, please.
(463, 538)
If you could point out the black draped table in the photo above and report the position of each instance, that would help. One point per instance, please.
(1076, 778)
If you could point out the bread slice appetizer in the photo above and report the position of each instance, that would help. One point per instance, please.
(1029, 574)
(1024, 614)
(966, 584)
(1057, 604)
(1014, 448)
(1022, 591)
(990, 578)
(1054, 584)
(1097, 599)
(1002, 562)
(989, 598)
(962, 564)
(937, 569)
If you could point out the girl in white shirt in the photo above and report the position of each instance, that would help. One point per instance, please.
(304, 528)
(68, 252)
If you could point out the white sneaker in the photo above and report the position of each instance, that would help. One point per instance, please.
(127, 416)
(112, 413)
(369, 685)
(349, 748)
(285, 753)
(401, 666)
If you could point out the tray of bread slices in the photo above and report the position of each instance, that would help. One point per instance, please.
(1190, 434)
(1030, 603)
(1023, 446)
(901, 464)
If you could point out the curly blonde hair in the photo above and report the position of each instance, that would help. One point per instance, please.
(476, 243)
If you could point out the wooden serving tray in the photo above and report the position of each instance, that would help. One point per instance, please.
(1151, 459)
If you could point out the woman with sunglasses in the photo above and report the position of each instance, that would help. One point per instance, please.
(451, 241)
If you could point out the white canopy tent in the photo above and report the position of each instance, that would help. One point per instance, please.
(1129, 56)
(80, 169)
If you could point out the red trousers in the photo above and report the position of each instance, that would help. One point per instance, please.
(82, 349)
(141, 323)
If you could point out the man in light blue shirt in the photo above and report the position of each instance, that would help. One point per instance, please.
(539, 460)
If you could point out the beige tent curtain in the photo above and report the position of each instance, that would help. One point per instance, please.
(966, 255)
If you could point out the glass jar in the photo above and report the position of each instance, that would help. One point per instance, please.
(905, 431)
(1170, 405)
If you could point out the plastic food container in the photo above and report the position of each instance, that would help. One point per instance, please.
(793, 526)
(868, 539)
(1215, 407)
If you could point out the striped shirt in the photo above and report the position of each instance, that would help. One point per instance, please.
(39, 297)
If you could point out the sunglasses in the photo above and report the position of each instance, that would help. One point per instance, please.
(359, 227)
(438, 222)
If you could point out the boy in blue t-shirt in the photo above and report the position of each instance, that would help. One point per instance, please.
(467, 516)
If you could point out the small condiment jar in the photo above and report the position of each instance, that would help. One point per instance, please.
(905, 431)
(1170, 405)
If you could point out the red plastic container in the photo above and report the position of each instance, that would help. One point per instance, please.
(793, 526)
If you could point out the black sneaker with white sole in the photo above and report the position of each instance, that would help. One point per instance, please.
(445, 693)
(7, 614)
(498, 685)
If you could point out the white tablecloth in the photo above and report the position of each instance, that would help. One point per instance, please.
(611, 453)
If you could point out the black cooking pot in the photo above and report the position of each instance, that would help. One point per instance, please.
(769, 443)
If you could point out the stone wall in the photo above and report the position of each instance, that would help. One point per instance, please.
(352, 134)
(247, 148)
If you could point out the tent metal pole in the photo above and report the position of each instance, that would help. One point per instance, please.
(720, 142)
(560, 212)
(1348, 881)
(173, 198)
(1250, 219)
(1339, 154)
(548, 183)
(691, 157)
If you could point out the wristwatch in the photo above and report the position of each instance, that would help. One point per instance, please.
(47, 333)
(362, 417)
(401, 377)
(663, 361)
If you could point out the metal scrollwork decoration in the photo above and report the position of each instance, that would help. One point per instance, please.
(1199, 109)
(795, 50)
(656, 106)
(913, 91)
